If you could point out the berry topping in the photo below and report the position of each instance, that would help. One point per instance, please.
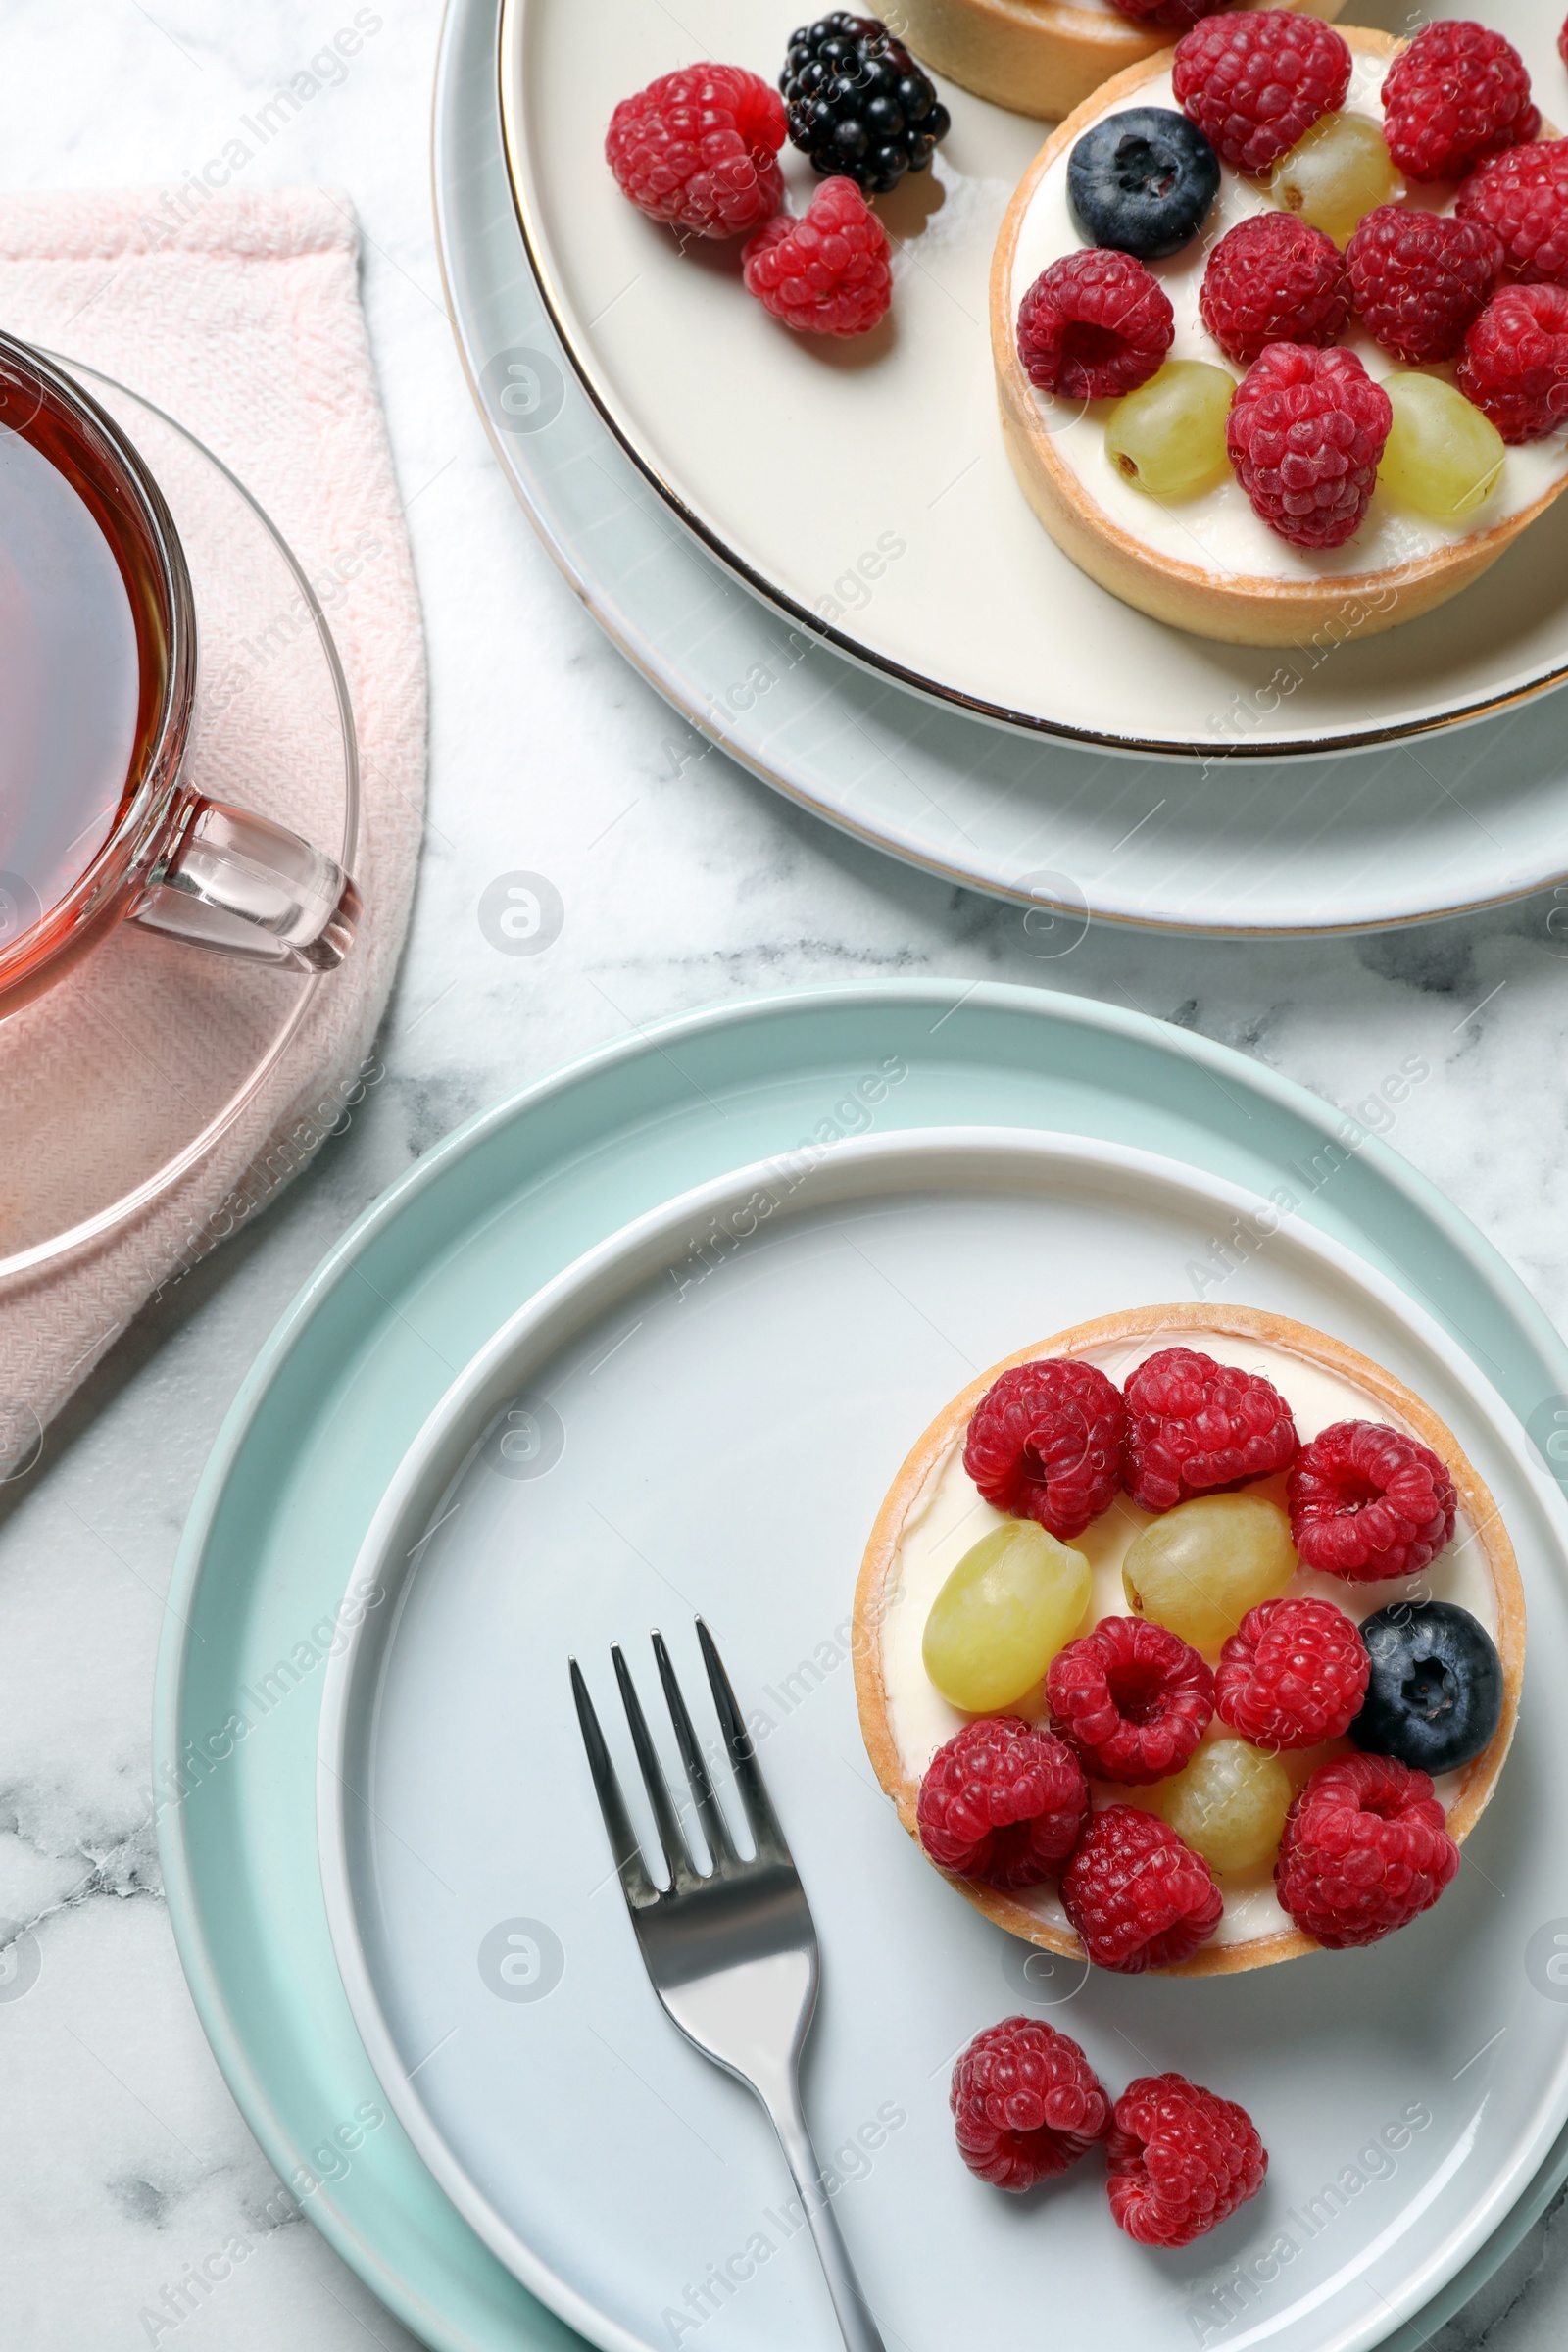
(1137, 1895)
(1047, 1441)
(1002, 1802)
(1365, 1848)
(1174, 16)
(1273, 278)
(1523, 195)
(857, 102)
(1193, 1425)
(1181, 2160)
(1307, 431)
(1335, 174)
(1002, 1615)
(1026, 2103)
(1295, 1673)
(1255, 80)
(1419, 278)
(1459, 93)
(1435, 1696)
(1368, 1503)
(1168, 437)
(1131, 1699)
(1229, 1804)
(1094, 324)
(1514, 365)
(827, 273)
(700, 150)
(1142, 181)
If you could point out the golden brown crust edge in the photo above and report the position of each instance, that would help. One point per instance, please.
(1248, 610)
(1144, 1324)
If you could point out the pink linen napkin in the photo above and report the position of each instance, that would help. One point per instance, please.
(242, 322)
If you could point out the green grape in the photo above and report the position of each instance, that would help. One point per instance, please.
(1002, 1616)
(1229, 1803)
(1443, 456)
(1335, 173)
(1168, 437)
(1201, 1567)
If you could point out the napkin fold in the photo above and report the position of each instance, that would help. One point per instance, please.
(239, 317)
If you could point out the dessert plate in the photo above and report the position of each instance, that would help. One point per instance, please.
(864, 488)
(422, 1283)
(699, 1418)
(1363, 839)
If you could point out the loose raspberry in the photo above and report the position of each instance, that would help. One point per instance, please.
(1173, 14)
(1046, 1441)
(1273, 278)
(1196, 1427)
(1131, 1699)
(700, 150)
(1305, 431)
(1367, 1502)
(1094, 324)
(828, 272)
(1524, 196)
(1514, 365)
(1365, 1848)
(1181, 2160)
(1295, 1672)
(1003, 1801)
(1420, 279)
(1460, 92)
(1255, 80)
(1137, 1893)
(1027, 2103)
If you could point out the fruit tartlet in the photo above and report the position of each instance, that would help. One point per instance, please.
(1190, 1641)
(1045, 57)
(1281, 337)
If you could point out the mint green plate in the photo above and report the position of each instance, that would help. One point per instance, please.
(426, 1277)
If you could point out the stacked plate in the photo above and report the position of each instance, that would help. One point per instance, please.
(825, 564)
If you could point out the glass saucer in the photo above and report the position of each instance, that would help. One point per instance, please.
(123, 1077)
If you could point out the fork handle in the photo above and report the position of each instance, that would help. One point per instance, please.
(858, 2328)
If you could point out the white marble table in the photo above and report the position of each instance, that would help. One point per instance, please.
(123, 2159)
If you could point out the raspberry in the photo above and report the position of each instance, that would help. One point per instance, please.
(1524, 196)
(1514, 365)
(1027, 2103)
(700, 150)
(1253, 83)
(1295, 1672)
(828, 272)
(1131, 1699)
(1366, 1501)
(1137, 1893)
(1195, 1426)
(1456, 94)
(1419, 278)
(1174, 15)
(1306, 429)
(1046, 1441)
(1181, 2160)
(1273, 279)
(1094, 324)
(1365, 1848)
(1003, 1801)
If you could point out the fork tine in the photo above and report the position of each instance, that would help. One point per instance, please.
(771, 1844)
(682, 1872)
(635, 1883)
(710, 1812)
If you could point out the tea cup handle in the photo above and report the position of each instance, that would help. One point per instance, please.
(248, 888)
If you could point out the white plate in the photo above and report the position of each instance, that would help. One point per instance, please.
(701, 1418)
(864, 488)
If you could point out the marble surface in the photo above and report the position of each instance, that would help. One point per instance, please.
(124, 2160)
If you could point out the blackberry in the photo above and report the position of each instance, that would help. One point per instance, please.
(857, 103)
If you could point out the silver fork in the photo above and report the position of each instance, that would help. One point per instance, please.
(731, 1955)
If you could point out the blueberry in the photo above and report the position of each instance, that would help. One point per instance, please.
(1142, 181)
(1435, 1697)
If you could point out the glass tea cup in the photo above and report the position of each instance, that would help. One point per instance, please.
(99, 822)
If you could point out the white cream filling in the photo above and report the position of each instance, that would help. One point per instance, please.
(1219, 530)
(949, 1515)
